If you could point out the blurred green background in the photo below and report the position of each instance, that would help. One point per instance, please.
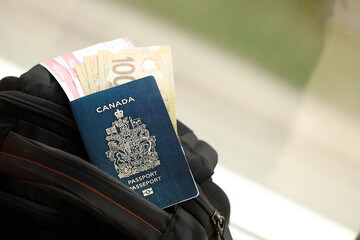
(282, 36)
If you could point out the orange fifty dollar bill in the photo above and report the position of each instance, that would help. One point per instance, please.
(134, 63)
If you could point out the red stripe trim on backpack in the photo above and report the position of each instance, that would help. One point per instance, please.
(85, 185)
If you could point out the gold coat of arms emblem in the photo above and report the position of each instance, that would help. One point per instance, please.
(131, 148)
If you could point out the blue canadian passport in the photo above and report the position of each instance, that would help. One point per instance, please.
(127, 132)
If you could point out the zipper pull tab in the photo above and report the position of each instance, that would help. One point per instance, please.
(219, 222)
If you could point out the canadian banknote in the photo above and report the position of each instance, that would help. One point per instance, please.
(134, 63)
(63, 67)
(109, 64)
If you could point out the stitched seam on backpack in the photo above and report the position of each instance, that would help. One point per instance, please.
(84, 185)
(173, 221)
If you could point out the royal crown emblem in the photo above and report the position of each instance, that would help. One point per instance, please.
(131, 148)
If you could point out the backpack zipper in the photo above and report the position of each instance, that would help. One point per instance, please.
(26, 102)
(219, 222)
(217, 219)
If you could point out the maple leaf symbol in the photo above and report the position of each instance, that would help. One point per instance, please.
(149, 65)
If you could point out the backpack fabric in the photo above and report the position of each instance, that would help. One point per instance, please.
(50, 190)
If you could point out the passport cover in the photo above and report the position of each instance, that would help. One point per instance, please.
(127, 132)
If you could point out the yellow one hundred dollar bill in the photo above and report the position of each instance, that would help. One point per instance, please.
(134, 63)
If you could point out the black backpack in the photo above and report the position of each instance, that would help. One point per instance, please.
(49, 190)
